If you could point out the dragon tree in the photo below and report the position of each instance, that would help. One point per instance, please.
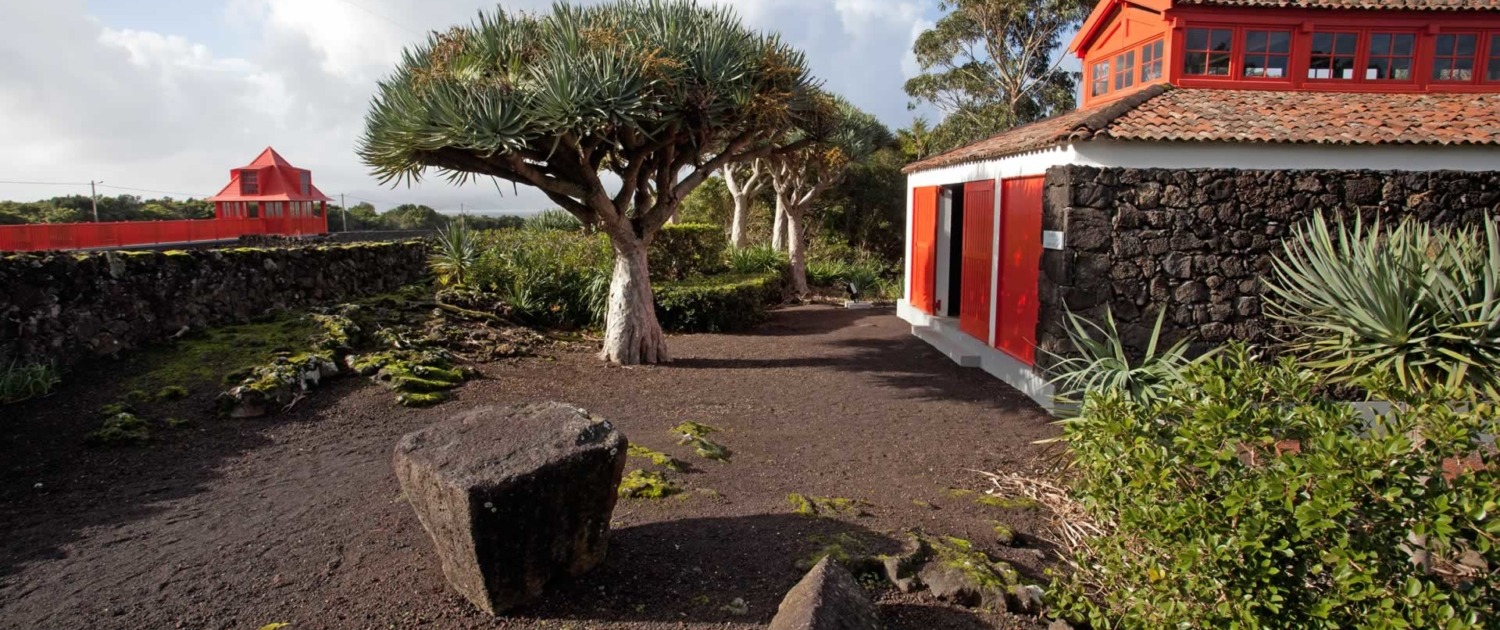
(657, 93)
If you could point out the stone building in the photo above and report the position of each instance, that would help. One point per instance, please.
(1209, 130)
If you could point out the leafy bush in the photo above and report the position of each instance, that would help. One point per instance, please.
(717, 303)
(686, 250)
(21, 382)
(757, 259)
(545, 277)
(555, 219)
(1418, 303)
(1239, 498)
(454, 254)
(866, 274)
(1100, 362)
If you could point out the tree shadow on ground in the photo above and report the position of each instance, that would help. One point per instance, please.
(905, 363)
(692, 570)
(54, 485)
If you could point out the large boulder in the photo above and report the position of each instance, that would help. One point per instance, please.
(514, 497)
(827, 598)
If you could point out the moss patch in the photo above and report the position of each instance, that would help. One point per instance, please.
(844, 548)
(171, 393)
(419, 400)
(647, 484)
(696, 435)
(121, 428)
(990, 500)
(656, 457)
(825, 506)
(984, 572)
(1003, 533)
(218, 355)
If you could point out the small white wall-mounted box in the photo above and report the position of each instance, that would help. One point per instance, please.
(1052, 239)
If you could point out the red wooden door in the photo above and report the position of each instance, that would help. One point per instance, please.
(924, 248)
(1020, 267)
(978, 257)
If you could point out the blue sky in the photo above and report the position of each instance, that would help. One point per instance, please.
(168, 95)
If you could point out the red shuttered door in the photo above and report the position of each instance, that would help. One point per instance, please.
(1020, 267)
(924, 248)
(978, 252)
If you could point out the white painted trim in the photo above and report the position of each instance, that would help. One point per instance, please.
(942, 248)
(1034, 163)
(994, 287)
(906, 253)
(943, 334)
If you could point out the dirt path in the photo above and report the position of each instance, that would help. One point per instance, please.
(235, 524)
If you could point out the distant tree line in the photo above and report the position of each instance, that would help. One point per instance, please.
(80, 209)
(363, 217)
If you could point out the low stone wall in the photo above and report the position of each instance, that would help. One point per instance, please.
(64, 308)
(1199, 242)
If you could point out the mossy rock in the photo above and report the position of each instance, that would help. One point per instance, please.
(647, 484)
(421, 399)
(696, 435)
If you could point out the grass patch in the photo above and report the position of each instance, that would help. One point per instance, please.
(23, 382)
(656, 457)
(646, 484)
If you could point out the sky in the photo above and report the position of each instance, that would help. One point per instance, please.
(156, 97)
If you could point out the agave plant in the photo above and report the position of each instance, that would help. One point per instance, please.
(455, 253)
(1416, 305)
(1100, 361)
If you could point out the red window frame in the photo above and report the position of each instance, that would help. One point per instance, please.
(1124, 70)
(1207, 52)
(1153, 60)
(1265, 54)
(249, 183)
(1390, 56)
(1451, 59)
(1334, 54)
(1491, 72)
(1099, 76)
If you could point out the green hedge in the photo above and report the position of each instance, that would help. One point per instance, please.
(717, 303)
(688, 250)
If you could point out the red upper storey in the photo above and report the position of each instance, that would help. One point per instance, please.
(270, 178)
(1306, 45)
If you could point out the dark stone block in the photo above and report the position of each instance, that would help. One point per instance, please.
(514, 498)
(1089, 229)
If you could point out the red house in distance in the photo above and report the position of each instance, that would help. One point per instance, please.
(278, 194)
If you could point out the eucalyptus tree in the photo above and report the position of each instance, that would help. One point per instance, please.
(801, 175)
(659, 93)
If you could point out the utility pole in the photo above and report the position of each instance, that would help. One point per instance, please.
(344, 210)
(94, 193)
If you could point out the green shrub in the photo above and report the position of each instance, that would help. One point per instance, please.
(757, 259)
(22, 382)
(687, 250)
(1240, 498)
(555, 219)
(545, 277)
(868, 275)
(1100, 362)
(717, 303)
(1415, 303)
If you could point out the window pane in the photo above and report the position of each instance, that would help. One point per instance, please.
(1195, 63)
(1125, 70)
(1380, 44)
(1405, 45)
(1255, 41)
(1218, 64)
(1100, 79)
(1467, 45)
(1197, 39)
(1221, 40)
(1493, 74)
(1346, 43)
(1329, 59)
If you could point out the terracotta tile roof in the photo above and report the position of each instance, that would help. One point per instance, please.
(1394, 5)
(1161, 113)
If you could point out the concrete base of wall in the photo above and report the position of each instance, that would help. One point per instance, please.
(943, 333)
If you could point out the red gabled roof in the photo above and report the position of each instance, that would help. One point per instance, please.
(1162, 113)
(278, 181)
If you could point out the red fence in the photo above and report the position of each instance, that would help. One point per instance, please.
(45, 236)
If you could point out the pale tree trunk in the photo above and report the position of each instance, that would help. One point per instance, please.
(797, 249)
(632, 335)
(737, 235)
(778, 226)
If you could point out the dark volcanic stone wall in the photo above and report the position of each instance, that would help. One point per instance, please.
(1199, 242)
(66, 307)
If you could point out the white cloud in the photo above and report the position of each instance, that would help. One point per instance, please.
(84, 100)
